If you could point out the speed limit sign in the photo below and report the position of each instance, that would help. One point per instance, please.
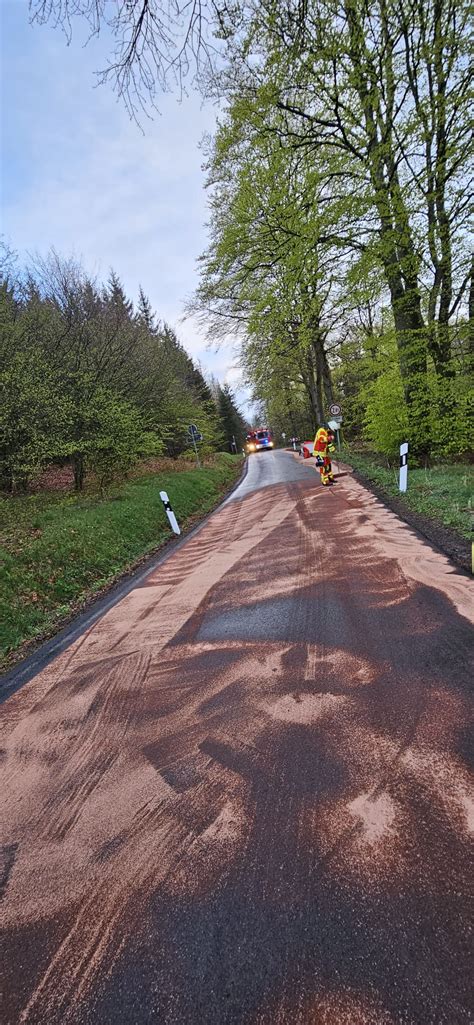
(335, 409)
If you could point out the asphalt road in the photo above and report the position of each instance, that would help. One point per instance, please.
(243, 797)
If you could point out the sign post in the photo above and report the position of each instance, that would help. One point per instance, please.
(195, 436)
(169, 512)
(335, 423)
(403, 481)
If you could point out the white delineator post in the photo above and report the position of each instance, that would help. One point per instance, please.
(403, 482)
(169, 512)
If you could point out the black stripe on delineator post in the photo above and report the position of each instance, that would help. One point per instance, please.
(404, 459)
(169, 512)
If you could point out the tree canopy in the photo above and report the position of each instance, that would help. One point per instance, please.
(340, 184)
(89, 379)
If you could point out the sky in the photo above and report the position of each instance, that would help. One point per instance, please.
(78, 175)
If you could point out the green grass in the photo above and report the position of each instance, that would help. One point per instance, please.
(442, 493)
(58, 550)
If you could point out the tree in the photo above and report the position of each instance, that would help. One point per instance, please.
(111, 437)
(144, 314)
(379, 93)
(33, 419)
(152, 42)
(88, 380)
(266, 268)
(233, 425)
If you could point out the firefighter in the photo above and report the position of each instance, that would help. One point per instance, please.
(323, 445)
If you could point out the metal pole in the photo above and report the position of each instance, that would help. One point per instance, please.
(196, 451)
(338, 451)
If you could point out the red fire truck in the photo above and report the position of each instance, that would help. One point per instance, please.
(259, 440)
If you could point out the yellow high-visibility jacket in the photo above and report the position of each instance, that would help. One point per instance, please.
(321, 442)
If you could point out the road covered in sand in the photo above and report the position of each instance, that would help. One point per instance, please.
(242, 797)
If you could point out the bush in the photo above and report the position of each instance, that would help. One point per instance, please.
(34, 418)
(452, 432)
(113, 439)
(386, 418)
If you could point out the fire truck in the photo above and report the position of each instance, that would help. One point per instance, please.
(259, 440)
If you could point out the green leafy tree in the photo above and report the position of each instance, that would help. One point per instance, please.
(89, 380)
(379, 93)
(34, 418)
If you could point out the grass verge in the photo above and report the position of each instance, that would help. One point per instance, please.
(60, 550)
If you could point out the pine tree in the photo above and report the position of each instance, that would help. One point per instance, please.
(145, 315)
(233, 424)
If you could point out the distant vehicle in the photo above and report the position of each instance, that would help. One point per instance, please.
(259, 440)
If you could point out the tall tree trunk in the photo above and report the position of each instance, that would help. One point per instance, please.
(411, 337)
(397, 249)
(410, 329)
(400, 265)
(471, 313)
(313, 388)
(289, 407)
(323, 373)
(79, 471)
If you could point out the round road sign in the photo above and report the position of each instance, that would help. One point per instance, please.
(335, 409)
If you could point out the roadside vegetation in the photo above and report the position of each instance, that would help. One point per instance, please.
(96, 399)
(340, 186)
(60, 548)
(340, 189)
(91, 380)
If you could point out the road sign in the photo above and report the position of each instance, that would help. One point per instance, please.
(335, 409)
(195, 435)
(335, 425)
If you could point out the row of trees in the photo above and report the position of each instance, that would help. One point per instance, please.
(340, 180)
(340, 188)
(89, 379)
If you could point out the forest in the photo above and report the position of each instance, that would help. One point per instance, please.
(340, 257)
(90, 380)
(340, 190)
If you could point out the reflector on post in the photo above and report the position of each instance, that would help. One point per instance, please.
(403, 480)
(169, 512)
